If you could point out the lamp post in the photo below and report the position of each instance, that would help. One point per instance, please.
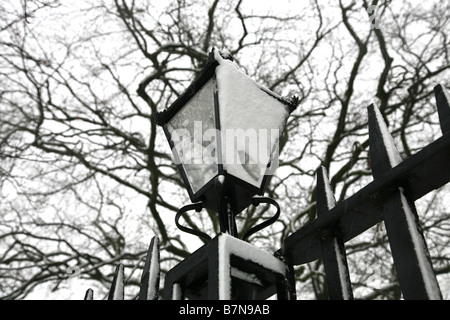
(204, 127)
(224, 133)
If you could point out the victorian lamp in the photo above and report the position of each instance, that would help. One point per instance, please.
(224, 133)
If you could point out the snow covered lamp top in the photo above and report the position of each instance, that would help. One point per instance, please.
(225, 129)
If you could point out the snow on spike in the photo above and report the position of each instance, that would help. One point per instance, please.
(117, 287)
(383, 153)
(177, 293)
(443, 107)
(425, 266)
(409, 250)
(150, 274)
(333, 249)
(325, 197)
(408, 247)
(89, 294)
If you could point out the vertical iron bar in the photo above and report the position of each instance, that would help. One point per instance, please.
(149, 286)
(89, 294)
(177, 292)
(286, 285)
(221, 209)
(443, 107)
(333, 249)
(226, 215)
(409, 251)
(117, 287)
(215, 286)
(231, 220)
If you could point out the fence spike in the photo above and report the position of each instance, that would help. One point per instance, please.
(89, 294)
(409, 251)
(325, 196)
(150, 275)
(117, 287)
(177, 293)
(443, 106)
(333, 248)
(383, 152)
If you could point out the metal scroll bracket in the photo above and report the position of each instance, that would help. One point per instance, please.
(256, 201)
(199, 206)
(194, 206)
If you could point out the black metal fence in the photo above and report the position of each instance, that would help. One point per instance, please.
(229, 268)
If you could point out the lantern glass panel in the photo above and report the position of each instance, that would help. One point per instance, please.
(193, 133)
(252, 119)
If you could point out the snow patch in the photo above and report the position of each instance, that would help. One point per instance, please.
(154, 271)
(331, 201)
(391, 149)
(118, 293)
(225, 53)
(247, 277)
(426, 269)
(342, 269)
(446, 93)
(176, 292)
(228, 246)
(258, 112)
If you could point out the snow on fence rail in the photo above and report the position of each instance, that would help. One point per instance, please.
(389, 197)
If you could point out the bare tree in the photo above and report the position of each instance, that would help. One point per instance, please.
(87, 178)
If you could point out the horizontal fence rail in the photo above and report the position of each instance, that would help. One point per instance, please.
(390, 198)
(420, 174)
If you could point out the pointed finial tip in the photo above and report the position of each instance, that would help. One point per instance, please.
(155, 239)
(89, 294)
(439, 87)
(321, 170)
(442, 96)
(371, 107)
